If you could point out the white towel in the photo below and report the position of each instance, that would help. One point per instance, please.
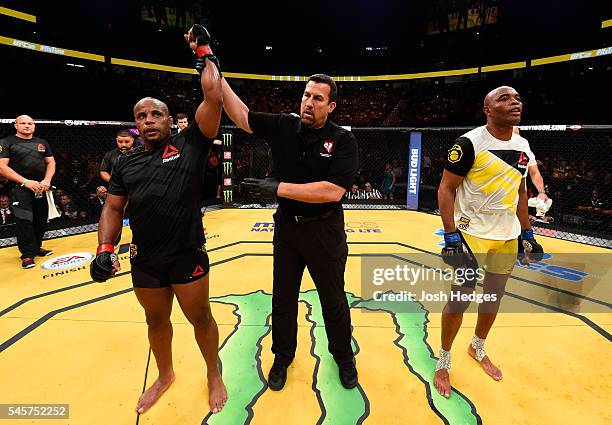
(541, 206)
(51, 203)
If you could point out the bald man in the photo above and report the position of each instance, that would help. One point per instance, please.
(483, 206)
(162, 182)
(27, 161)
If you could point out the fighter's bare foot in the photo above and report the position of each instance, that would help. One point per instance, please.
(490, 369)
(217, 394)
(442, 382)
(153, 393)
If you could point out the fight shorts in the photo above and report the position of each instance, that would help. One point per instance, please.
(184, 267)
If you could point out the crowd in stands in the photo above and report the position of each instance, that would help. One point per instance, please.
(576, 177)
(581, 186)
(578, 184)
(446, 101)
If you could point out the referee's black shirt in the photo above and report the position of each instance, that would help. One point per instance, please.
(304, 155)
(26, 156)
(163, 189)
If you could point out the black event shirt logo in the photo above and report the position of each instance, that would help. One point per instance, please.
(455, 153)
(170, 154)
(328, 145)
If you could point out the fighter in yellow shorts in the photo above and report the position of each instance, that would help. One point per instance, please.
(483, 204)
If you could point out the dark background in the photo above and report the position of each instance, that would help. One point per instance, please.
(322, 36)
(329, 37)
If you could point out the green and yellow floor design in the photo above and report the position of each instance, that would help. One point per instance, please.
(65, 339)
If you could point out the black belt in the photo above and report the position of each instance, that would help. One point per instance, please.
(308, 219)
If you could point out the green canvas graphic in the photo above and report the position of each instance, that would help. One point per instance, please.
(241, 353)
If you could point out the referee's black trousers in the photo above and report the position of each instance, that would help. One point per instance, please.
(30, 219)
(321, 247)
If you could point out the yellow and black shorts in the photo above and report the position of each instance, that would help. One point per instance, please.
(494, 256)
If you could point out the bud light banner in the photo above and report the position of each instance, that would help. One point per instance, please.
(414, 171)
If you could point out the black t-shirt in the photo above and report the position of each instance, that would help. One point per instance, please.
(26, 156)
(304, 155)
(110, 160)
(163, 190)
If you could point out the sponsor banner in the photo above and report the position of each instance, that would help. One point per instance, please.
(543, 127)
(71, 123)
(591, 53)
(228, 169)
(67, 261)
(209, 236)
(263, 227)
(227, 140)
(414, 170)
(362, 227)
(64, 272)
(228, 195)
(349, 227)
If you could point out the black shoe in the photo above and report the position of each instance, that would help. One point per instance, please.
(348, 375)
(27, 263)
(277, 377)
(44, 252)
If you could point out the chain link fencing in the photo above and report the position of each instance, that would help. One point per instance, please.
(380, 182)
(574, 163)
(572, 160)
(78, 148)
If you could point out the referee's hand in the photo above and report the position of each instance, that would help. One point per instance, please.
(261, 188)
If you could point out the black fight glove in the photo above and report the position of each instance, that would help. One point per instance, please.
(101, 268)
(452, 253)
(529, 251)
(202, 38)
(200, 35)
(201, 64)
(261, 188)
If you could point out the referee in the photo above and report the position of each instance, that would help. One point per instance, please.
(315, 162)
(27, 160)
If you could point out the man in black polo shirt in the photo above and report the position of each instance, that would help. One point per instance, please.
(125, 142)
(162, 181)
(316, 162)
(27, 161)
